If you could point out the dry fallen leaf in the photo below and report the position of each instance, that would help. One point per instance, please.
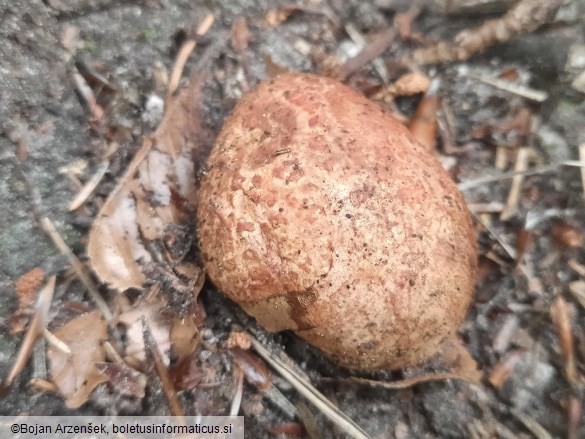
(254, 368)
(423, 125)
(184, 336)
(153, 204)
(159, 323)
(76, 375)
(26, 287)
(123, 379)
(186, 374)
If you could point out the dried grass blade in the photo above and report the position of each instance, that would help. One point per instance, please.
(237, 399)
(49, 228)
(582, 160)
(182, 57)
(154, 353)
(534, 427)
(308, 391)
(370, 52)
(514, 194)
(184, 54)
(525, 92)
(540, 170)
(89, 187)
(410, 382)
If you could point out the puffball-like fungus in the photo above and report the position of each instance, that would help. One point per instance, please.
(320, 213)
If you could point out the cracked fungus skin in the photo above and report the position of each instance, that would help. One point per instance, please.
(321, 214)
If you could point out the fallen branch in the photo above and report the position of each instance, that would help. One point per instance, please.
(523, 18)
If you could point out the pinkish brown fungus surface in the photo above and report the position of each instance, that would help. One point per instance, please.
(319, 213)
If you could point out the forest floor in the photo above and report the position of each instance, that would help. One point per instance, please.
(82, 83)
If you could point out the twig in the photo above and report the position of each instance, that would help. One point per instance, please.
(582, 160)
(205, 24)
(466, 185)
(526, 16)
(256, 372)
(182, 57)
(491, 207)
(410, 382)
(237, 399)
(514, 194)
(112, 353)
(87, 94)
(535, 428)
(152, 350)
(184, 54)
(49, 228)
(577, 267)
(34, 330)
(308, 391)
(520, 90)
(277, 398)
(39, 358)
(359, 39)
(370, 52)
(511, 252)
(89, 187)
(501, 159)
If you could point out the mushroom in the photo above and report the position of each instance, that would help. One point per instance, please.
(319, 213)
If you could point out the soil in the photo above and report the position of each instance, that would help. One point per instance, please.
(47, 132)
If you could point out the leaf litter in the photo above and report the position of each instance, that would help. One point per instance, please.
(76, 374)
